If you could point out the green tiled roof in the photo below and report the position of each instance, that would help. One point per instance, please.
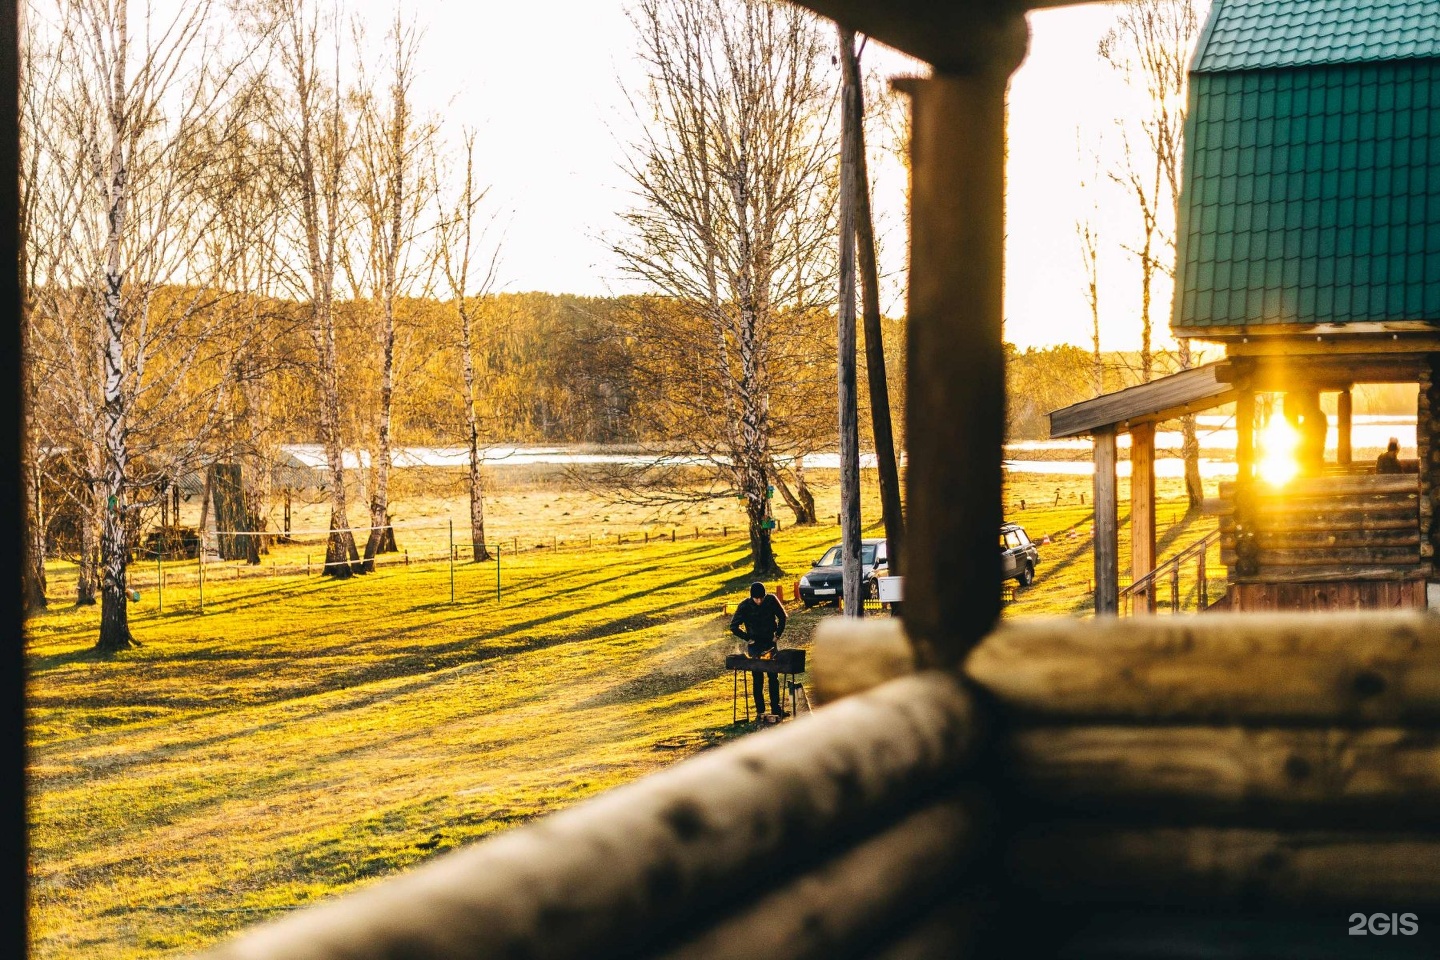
(1312, 195)
(1259, 34)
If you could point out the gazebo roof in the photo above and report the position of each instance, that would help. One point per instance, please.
(1310, 196)
(1188, 391)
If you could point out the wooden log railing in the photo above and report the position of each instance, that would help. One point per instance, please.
(1169, 572)
(1258, 762)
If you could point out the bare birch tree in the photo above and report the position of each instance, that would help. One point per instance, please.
(127, 146)
(1151, 44)
(316, 139)
(394, 191)
(734, 222)
(1087, 231)
(456, 243)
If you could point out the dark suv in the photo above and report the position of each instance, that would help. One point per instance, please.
(1018, 555)
(824, 582)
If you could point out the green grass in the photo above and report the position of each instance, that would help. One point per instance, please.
(306, 736)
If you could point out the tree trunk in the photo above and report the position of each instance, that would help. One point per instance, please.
(880, 421)
(478, 552)
(802, 490)
(34, 599)
(762, 552)
(804, 516)
(1190, 444)
(87, 578)
(845, 361)
(382, 535)
(114, 545)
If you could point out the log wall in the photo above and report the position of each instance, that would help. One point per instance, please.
(1240, 763)
(1344, 541)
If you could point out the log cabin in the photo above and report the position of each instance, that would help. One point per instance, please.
(1309, 248)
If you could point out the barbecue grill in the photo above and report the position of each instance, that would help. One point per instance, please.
(786, 663)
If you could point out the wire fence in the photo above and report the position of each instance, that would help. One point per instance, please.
(291, 555)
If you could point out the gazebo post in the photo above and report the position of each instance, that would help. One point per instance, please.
(1142, 508)
(1343, 420)
(955, 405)
(1107, 528)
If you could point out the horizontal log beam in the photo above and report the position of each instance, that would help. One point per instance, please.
(840, 907)
(1336, 669)
(1334, 536)
(1257, 776)
(1333, 485)
(1334, 573)
(849, 656)
(1234, 867)
(1331, 556)
(625, 871)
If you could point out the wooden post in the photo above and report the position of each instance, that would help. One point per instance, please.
(1343, 418)
(1107, 527)
(852, 585)
(955, 400)
(1244, 435)
(1142, 508)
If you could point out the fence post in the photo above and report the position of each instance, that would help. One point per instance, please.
(452, 561)
(1175, 589)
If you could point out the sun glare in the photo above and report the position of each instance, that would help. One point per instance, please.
(1278, 465)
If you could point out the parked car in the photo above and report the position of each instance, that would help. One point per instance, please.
(825, 581)
(1018, 555)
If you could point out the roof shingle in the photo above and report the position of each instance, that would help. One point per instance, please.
(1260, 34)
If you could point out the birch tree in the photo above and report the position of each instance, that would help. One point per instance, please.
(1151, 44)
(126, 148)
(456, 244)
(734, 182)
(393, 191)
(316, 141)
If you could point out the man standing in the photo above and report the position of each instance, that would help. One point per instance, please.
(763, 621)
(1389, 461)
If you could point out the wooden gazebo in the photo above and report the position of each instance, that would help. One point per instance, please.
(1310, 248)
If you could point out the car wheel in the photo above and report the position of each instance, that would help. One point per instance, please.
(872, 589)
(1027, 576)
(808, 603)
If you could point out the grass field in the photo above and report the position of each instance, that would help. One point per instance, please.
(304, 736)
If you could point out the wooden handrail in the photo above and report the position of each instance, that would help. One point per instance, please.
(1171, 566)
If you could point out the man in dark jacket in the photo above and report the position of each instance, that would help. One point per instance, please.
(760, 621)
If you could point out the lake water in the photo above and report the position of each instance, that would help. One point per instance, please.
(1216, 433)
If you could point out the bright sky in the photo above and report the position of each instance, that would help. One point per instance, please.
(542, 83)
